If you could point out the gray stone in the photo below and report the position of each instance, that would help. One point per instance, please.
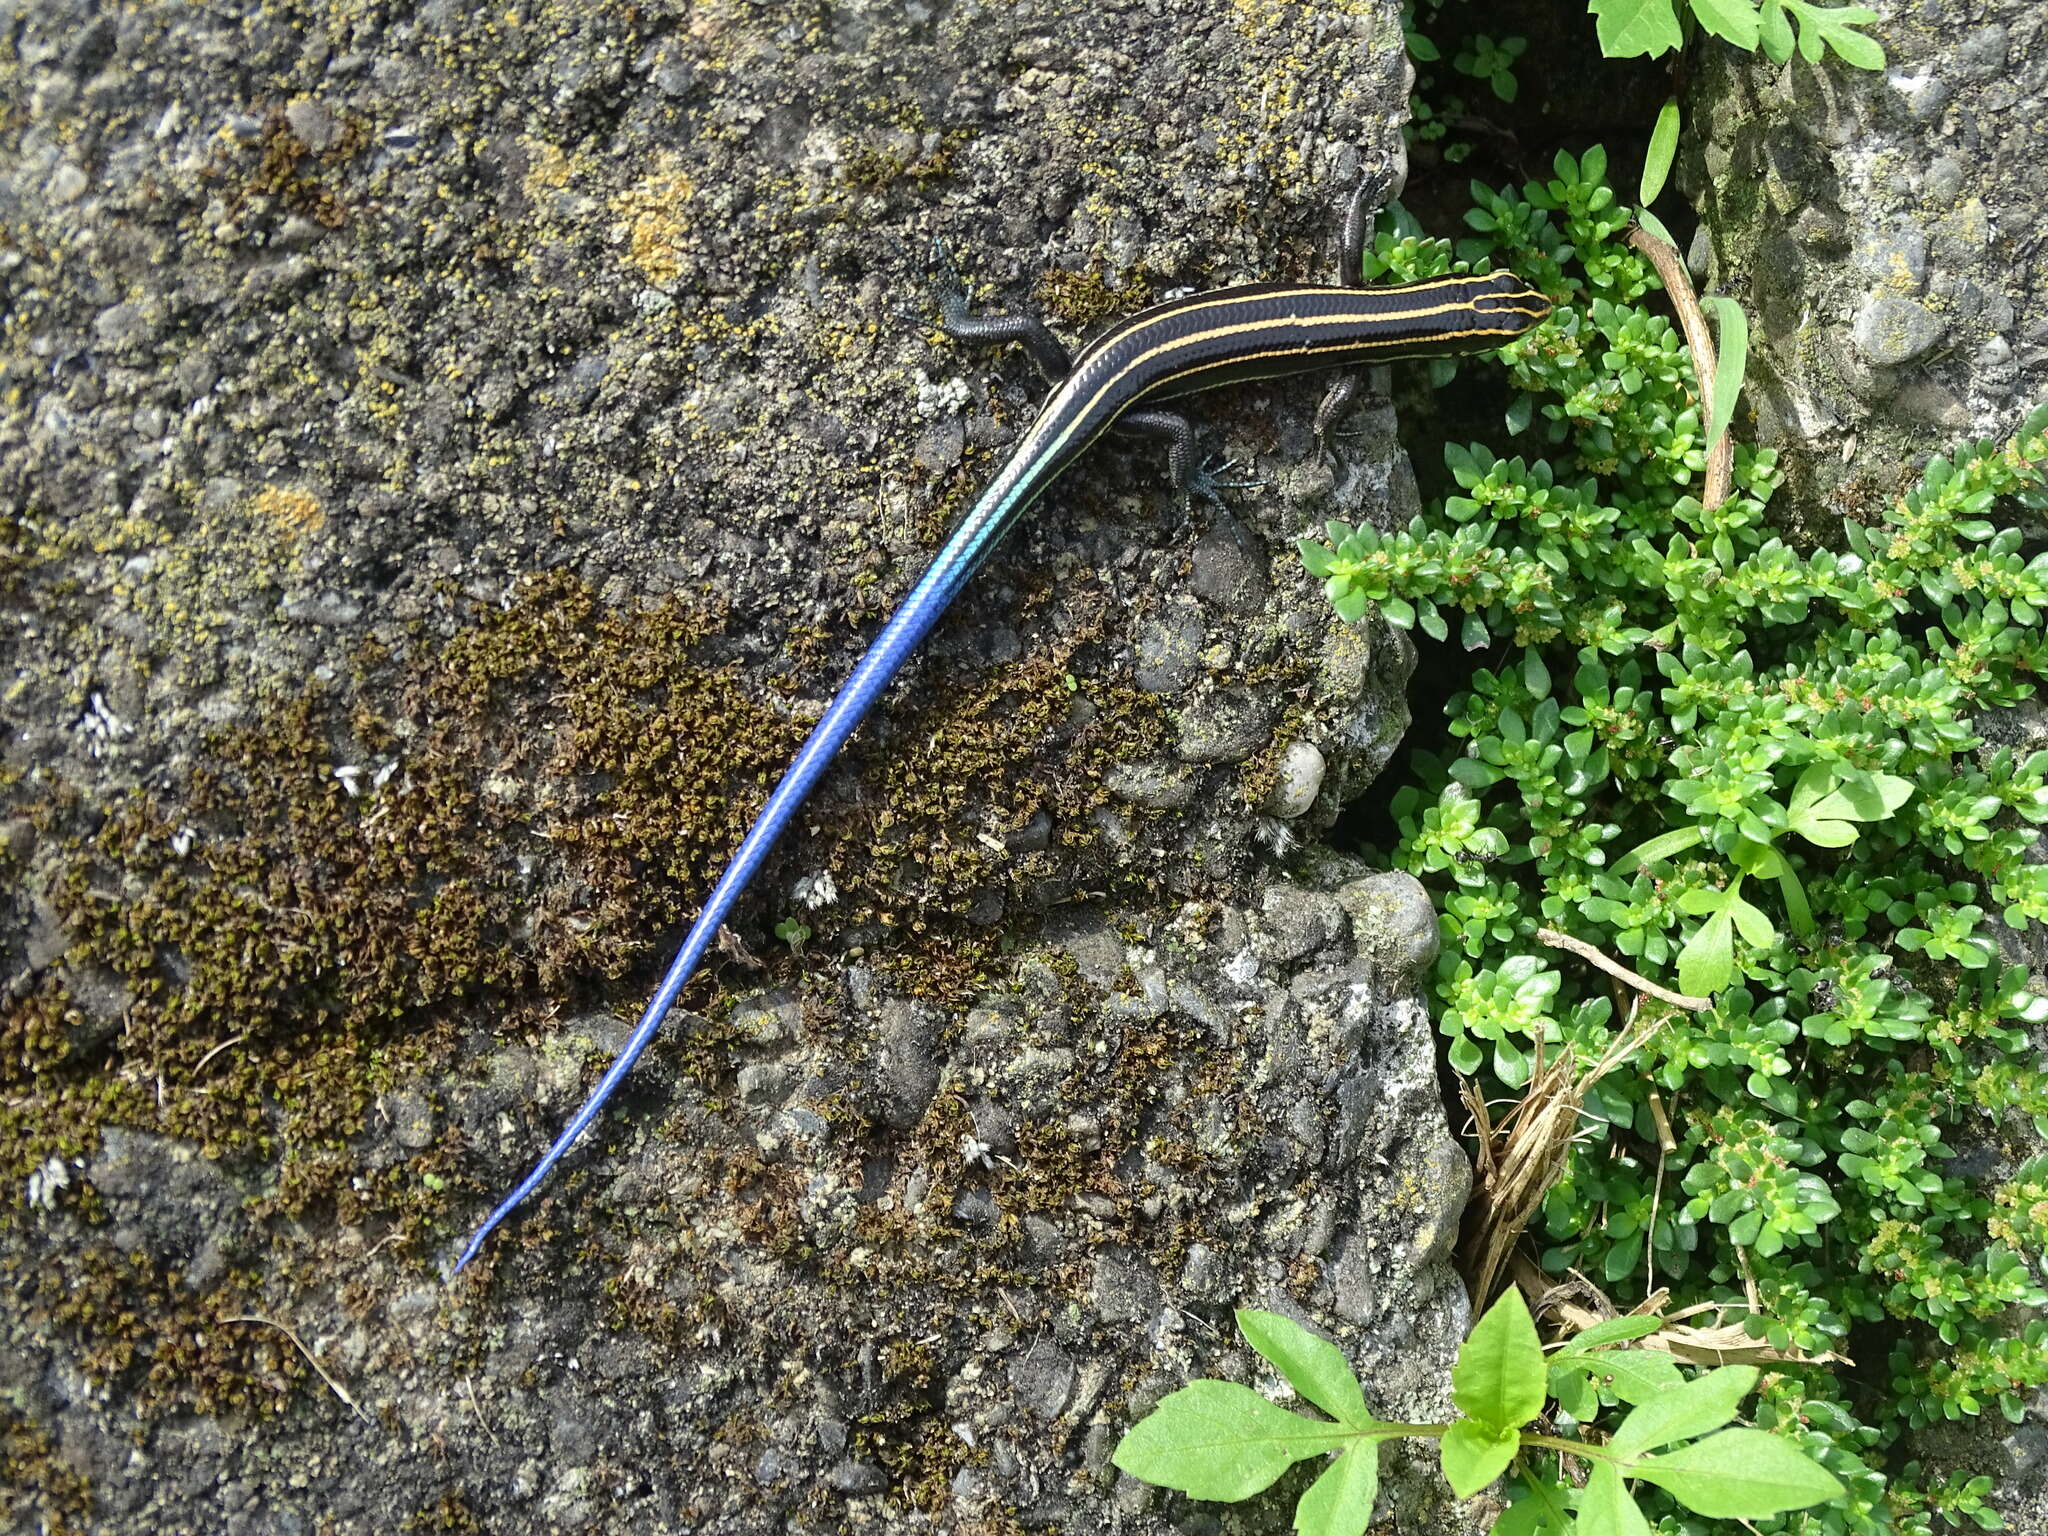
(1228, 570)
(1891, 332)
(1299, 781)
(856, 1477)
(1895, 258)
(1170, 652)
(1983, 53)
(1293, 922)
(1152, 786)
(1394, 923)
(1223, 728)
(1043, 1378)
(411, 1118)
(909, 1063)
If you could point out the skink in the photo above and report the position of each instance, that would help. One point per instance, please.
(1177, 348)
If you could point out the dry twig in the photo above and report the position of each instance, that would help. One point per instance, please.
(311, 1359)
(1621, 972)
(1691, 320)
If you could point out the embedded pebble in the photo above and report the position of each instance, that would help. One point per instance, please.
(1890, 331)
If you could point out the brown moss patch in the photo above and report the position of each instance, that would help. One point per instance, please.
(38, 1491)
(136, 1331)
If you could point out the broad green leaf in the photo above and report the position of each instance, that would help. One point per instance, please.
(1219, 1440)
(1700, 1406)
(1607, 1508)
(1630, 27)
(1636, 1375)
(1707, 963)
(1741, 1474)
(1774, 31)
(1571, 1384)
(1864, 796)
(1498, 1377)
(1797, 908)
(1313, 1366)
(1614, 1330)
(1663, 148)
(1339, 1503)
(1734, 20)
(1835, 25)
(1827, 834)
(1751, 922)
(1757, 858)
(1474, 1455)
(1730, 363)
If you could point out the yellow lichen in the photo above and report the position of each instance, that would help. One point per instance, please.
(653, 222)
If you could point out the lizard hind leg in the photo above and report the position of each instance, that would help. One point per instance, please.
(1044, 349)
(1361, 208)
(1028, 331)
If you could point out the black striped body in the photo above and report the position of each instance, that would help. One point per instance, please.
(1259, 331)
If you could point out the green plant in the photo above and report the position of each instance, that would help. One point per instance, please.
(1433, 106)
(1221, 1440)
(1493, 62)
(1751, 767)
(1630, 27)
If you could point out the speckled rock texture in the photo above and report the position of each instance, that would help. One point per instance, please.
(1888, 234)
(1885, 231)
(447, 455)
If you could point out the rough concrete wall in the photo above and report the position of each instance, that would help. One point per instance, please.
(447, 454)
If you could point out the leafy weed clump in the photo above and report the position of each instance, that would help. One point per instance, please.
(1754, 772)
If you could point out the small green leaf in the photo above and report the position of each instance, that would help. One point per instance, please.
(1663, 149)
(1538, 1508)
(1339, 1503)
(1474, 1455)
(1751, 922)
(1774, 31)
(1498, 1378)
(1607, 1508)
(1219, 1440)
(1655, 226)
(1615, 1330)
(1700, 1406)
(1535, 675)
(1643, 855)
(1313, 1366)
(1707, 963)
(1741, 1474)
(1730, 363)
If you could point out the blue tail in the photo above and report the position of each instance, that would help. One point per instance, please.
(956, 561)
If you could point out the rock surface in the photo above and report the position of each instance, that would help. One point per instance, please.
(1884, 230)
(447, 455)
